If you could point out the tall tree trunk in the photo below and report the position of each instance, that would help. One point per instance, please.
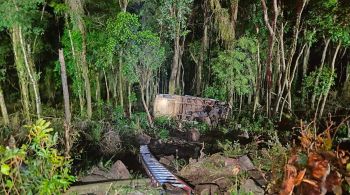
(107, 86)
(129, 100)
(258, 81)
(31, 73)
(113, 80)
(123, 5)
(77, 13)
(304, 70)
(23, 81)
(234, 14)
(4, 113)
(346, 87)
(81, 103)
(98, 86)
(288, 96)
(204, 48)
(180, 83)
(313, 97)
(271, 26)
(330, 79)
(85, 70)
(175, 65)
(287, 65)
(121, 95)
(149, 117)
(67, 112)
(78, 70)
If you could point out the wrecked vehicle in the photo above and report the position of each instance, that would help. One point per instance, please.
(191, 108)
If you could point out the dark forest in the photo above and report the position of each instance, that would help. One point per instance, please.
(231, 96)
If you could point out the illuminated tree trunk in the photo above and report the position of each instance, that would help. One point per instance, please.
(175, 65)
(313, 97)
(31, 73)
(257, 82)
(149, 117)
(204, 48)
(85, 70)
(23, 81)
(123, 5)
(288, 71)
(76, 14)
(67, 112)
(129, 100)
(271, 26)
(346, 87)
(330, 80)
(234, 13)
(121, 94)
(106, 84)
(77, 67)
(4, 113)
(97, 87)
(304, 70)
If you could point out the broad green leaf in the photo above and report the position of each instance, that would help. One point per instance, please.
(5, 169)
(9, 183)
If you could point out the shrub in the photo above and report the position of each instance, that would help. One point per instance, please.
(36, 167)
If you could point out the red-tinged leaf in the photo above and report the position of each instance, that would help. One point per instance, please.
(305, 139)
(290, 173)
(292, 159)
(318, 165)
(321, 169)
(311, 182)
(299, 177)
(309, 187)
(313, 159)
(333, 180)
(343, 157)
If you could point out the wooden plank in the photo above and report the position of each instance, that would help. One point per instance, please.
(132, 186)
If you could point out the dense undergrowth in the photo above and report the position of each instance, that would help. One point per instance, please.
(35, 167)
(287, 157)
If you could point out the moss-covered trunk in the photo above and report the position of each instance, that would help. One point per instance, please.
(3, 107)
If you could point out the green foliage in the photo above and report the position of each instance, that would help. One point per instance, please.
(235, 69)
(232, 149)
(173, 17)
(139, 121)
(59, 8)
(259, 124)
(202, 127)
(163, 134)
(36, 167)
(19, 13)
(164, 122)
(144, 57)
(141, 49)
(326, 17)
(119, 117)
(325, 76)
(72, 38)
(215, 93)
(96, 132)
(162, 126)
(124, 28)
